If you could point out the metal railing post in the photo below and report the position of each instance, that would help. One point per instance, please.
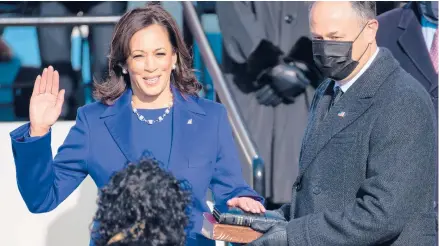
(241, 133)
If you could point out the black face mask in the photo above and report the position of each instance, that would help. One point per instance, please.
(428, 9)
(334, 58)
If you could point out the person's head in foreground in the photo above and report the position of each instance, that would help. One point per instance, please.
(343, 37)
(147, 54)
(142, 205)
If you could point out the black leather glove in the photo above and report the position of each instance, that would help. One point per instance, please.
(288, 81)
(264, 57)
(267, 96)
(283, 83)
(301, 55)
(275, 234)
(284, 211)
(275, 80)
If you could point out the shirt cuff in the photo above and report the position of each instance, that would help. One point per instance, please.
(28, 137)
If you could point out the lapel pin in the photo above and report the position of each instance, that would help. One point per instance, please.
(341, 114)
(189, 122)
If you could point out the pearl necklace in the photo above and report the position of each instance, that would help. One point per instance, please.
(159, 119)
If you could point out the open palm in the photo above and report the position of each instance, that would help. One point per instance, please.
(46, 101)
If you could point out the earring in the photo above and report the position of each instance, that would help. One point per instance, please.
(124, 71)
(173, 67)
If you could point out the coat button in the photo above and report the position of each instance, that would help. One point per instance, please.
(316, 190)
(288, 19)
(298, 184)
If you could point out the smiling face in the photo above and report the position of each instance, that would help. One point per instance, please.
(150, 64)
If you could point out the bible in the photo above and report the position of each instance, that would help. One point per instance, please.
(236, 216)
(233, 224)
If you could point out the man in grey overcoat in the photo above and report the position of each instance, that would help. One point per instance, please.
(368, 159)
(268, 66)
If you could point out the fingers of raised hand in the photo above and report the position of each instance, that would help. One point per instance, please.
(36, 90)
(49, 81)
(43, 82)
(55, 83)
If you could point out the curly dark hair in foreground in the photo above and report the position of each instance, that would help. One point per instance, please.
(143, 205)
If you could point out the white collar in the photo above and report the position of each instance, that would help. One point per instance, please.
(348, 84)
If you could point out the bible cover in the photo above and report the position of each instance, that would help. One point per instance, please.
(235, 216)
(229, 233)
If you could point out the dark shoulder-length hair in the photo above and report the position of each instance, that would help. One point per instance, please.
(131, 22)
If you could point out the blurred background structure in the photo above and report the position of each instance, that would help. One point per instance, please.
(26, 49)
(24, 61)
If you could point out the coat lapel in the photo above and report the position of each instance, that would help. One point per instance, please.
(320, 106)
(412, 42)
(118, 122)
(351, 108)
(348, 109)
(186, 122)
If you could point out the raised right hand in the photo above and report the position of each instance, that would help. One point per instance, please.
(46, 102)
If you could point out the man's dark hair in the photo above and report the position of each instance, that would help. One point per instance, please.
(142, 205)
(365, 9)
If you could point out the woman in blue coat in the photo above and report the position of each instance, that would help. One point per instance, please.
(148, 103)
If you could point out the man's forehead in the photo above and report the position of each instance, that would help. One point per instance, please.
(331, 7)
(331, 11)
(330, 26)
(332, 17)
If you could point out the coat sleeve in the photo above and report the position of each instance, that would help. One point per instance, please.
(244, 37)
(43, 181)
(240, 29)
(399, 183)
(227, 181)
